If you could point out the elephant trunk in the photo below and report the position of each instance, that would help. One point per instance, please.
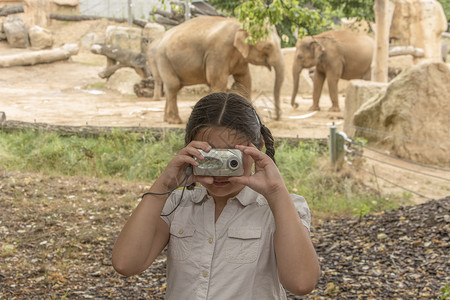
(296, 71)
(279, 78)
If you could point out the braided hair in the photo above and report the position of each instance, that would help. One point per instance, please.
(231, 111)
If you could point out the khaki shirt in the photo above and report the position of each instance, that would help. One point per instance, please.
(233, 258)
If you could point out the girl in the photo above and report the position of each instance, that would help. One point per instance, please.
(240, 237)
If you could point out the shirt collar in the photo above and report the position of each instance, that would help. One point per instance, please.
(246, 196)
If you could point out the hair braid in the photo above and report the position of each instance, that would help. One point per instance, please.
(269, 142)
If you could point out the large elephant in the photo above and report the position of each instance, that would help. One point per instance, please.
(207, 50)
(335, 54)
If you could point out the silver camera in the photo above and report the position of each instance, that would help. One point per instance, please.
(220, 162)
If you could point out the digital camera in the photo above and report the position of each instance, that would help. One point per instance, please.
(220, 162)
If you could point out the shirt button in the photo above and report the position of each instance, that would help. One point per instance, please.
(181, 231)
(210, 240)
(205, 274)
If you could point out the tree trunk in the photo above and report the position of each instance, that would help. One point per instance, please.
(119, 58)
(39, 57)
(59, 17)
(11, 9)
(380, 58)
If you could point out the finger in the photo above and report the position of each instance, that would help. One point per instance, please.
(244, 180)
(252, 151)
(192, 149)
(204, 179)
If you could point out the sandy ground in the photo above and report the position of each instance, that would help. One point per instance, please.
(71, 93)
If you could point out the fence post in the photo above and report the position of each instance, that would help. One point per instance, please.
(187, 10)
(333, 152)
(130, 12)
(337, 140)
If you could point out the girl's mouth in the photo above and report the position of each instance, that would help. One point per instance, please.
(220, 183)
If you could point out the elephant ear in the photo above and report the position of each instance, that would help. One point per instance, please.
(317, 48)
(240, 44)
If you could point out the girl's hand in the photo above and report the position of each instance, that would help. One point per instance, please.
(267, 179)
(175, 171)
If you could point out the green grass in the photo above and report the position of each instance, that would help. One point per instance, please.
(134, 158)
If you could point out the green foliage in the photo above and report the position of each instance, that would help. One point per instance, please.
(445, 292)
(446, 6)
(136, 157)
(293, 18)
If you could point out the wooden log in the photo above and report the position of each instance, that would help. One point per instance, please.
(61, 17)
(12, 126)
(120, 58)
(39, 57)
(405, 50)
(85, 131)
(11, 9)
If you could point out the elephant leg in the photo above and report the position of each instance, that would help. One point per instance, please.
(157, 81)
(318, 80)
(171, 114)
(332, 81)
(243, 85)
(172, 86)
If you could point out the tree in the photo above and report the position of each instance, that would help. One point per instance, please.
(293, 18)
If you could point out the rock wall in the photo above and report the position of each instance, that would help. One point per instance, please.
(411, 120)
(419, 23)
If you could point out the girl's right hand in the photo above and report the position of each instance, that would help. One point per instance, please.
(175, 170)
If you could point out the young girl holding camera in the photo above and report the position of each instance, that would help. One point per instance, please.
(234, 237)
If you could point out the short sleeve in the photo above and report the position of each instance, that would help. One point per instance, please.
(302, 209)
(169, 206)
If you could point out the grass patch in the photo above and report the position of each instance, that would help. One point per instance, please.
(134, 158)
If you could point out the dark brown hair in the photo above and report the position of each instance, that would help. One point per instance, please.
(231, 111)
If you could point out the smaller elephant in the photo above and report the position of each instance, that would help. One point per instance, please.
(335, 54)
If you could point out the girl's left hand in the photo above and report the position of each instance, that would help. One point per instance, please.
(267, 179)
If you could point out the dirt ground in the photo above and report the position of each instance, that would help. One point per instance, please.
(71, 93)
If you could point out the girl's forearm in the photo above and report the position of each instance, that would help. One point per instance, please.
(141, 239)
(297, 261)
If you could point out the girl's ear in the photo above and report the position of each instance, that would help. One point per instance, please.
(262, 146)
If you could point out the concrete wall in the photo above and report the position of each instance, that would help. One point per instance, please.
(117, 8)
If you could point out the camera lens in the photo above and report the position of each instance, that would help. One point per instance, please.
(233, 163)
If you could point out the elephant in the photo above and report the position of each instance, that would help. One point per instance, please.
(335, 54)
(208, 49)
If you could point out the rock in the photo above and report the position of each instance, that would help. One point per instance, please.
(126, 38)
(123, 81)
(419, 23)
(152, 30)
(16, 32)
(67, 2)
(90, 39)
(411, 119)
(397, 64)
(359, 92)
(40, 38)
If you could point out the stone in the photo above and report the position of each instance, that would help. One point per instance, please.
(40, 38)
(16, 32)
(359, 92)
(123, 81)
(153, 30)
(126, 38)
(397, 64)
(36, 12)
(67, 2)
(411, 119)
(419, 23)
(90, 39)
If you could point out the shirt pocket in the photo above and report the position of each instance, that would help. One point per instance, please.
(180, 242)
(242, 246)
